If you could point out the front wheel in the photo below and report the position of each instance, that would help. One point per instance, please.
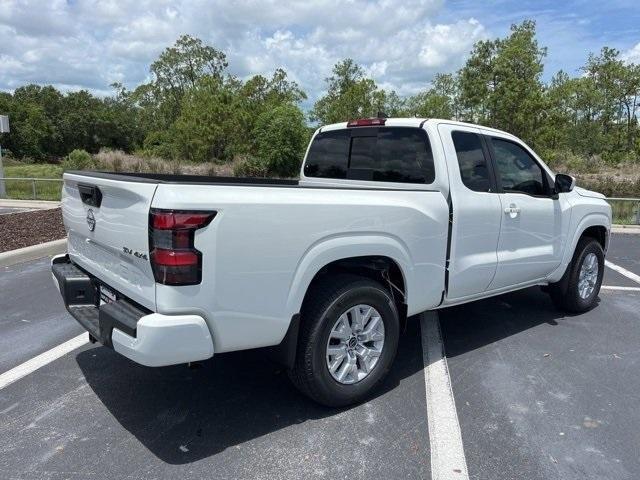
(348, 339)
(578, 289)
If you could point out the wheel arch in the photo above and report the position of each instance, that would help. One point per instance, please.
(369, 256)
(594, 225)
(359, 254)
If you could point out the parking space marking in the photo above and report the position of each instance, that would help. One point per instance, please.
(447, 452)
(626, 289)
(623, 271)
(41, 360)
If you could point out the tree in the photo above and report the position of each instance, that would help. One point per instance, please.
(439, 101)
(177, 70)
(349, 95)
(260, 94)
(281, 137)
(476, 81)
(208, 126)
(500, 85)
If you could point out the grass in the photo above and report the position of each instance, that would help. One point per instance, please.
(24, 189)
(625, 212)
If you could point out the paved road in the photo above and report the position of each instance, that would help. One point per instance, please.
(538, 394)
(32, 316)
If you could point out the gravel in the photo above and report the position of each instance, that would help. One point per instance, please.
(23, 229)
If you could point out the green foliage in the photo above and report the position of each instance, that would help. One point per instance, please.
(78, 160)
(281, 137)
(501, 86)
(350, 95)
(440, 101)
(47, 124)
(178, 69)
(209, 123)
(250, 167)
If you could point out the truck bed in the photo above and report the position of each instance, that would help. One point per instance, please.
(187, 179)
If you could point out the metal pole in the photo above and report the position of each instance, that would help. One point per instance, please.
(3, 190)
(33, 186)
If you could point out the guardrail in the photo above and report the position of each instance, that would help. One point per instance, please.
(626, 211)
(32, 188)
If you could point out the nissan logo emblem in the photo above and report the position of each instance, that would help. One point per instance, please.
(91, 220)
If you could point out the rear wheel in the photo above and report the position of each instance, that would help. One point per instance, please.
(578, 289)
(348, 339)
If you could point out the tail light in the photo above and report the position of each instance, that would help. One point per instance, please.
(174, 258)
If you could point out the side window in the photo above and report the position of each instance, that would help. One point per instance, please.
(474, 170)
(383, 154)
(405, 156)
(329, 155)
(518, 172)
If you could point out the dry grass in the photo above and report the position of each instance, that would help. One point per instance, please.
(119, 161)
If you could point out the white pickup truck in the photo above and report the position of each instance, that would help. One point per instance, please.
(390, 218)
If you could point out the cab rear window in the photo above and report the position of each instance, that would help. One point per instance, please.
(383, 154)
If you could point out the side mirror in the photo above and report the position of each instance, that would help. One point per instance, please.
(564, 183)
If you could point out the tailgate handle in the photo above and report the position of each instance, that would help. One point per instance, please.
(90, 195)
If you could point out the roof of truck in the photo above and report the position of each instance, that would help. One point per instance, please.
(413, 122)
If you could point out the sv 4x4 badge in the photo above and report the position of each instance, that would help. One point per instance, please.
(128, 251)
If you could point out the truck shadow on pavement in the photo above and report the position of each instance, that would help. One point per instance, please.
(183, 415)
(469, 327)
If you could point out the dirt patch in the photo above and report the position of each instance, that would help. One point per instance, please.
(23, 229)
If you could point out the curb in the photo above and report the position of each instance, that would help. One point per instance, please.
(629, 229)
(37, 204)
(33, 252)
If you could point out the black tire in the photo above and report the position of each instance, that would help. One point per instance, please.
(564, 293)
(327, 300)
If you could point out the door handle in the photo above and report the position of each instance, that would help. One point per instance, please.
(512, 211)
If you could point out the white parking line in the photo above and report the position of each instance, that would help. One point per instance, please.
(41, 360)
(625, 289)
(623, 271)
(445, 439)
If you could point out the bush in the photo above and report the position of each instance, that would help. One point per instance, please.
(281, 136)
(251, 167)
(611, 187)
(618, 157)
(78, 160)
(566, 161)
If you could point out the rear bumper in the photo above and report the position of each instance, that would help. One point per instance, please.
(148, 338)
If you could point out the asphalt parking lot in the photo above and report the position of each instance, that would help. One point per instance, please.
(537, 394)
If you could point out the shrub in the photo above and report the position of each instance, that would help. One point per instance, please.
(78, 160)
(281, 136)
(566, 161)
(619, 157)
(251, 167)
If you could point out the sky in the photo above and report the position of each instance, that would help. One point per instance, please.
(402, 44)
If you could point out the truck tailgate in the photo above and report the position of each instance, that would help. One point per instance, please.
(107, 226)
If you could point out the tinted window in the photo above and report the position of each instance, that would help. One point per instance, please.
(380, 154)
(405, 156)
(517, 170)
(329, 155)
(473, 165)
(363, 152)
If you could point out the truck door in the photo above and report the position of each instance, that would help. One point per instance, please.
(476, 211)
(534, 220)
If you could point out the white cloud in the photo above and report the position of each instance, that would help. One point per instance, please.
(91, 43)
(632, 55)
